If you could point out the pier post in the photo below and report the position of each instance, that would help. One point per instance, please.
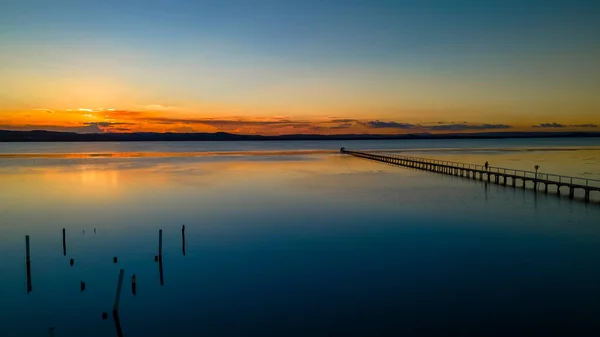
(571, 192)
(587, 195)
(160, 243)
(64, 243)
(28, 263)
(117, 324)
(160, 270)
(133, 285)
(183, 239)
(514, 181)
(27, 250)
(118, 294)
(546, 187)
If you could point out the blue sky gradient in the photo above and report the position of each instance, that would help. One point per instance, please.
(484, 61)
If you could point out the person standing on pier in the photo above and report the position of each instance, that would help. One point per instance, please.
(487, 165)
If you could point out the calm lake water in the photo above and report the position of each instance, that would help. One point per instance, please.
(294, 239)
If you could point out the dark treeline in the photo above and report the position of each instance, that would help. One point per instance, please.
(51, 136)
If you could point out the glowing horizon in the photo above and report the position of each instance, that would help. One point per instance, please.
(273, 68)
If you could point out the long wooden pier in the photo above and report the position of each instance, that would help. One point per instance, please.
(496, 175)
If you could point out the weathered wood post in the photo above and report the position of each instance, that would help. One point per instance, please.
(571, 192)
(117, 324)
(159, 243)
(160, 271)
(118, 294)
(183, 239)
(133, 285)
(587, 195)
(64, 243)
(28, 263)
(535, 181)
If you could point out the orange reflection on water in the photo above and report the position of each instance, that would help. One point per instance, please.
(162, 154)
(99, 179)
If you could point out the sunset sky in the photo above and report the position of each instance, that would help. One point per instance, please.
(283, 67)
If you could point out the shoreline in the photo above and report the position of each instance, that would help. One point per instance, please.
(51, 136)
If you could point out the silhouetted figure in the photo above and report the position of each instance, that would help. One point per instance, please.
(155, 258)
(115, 259)
(487, 165)
(72, 262)
(82, 285)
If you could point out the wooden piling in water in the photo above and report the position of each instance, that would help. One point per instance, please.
(133, 285)
(118, 294)
(28, 263)
(27, 248)
(571, 192)
(160, 270)
(117, 324)
(587, 195)
(64, 242)
(160, 243)
(183, 239)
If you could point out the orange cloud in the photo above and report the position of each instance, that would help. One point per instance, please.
(163, 118)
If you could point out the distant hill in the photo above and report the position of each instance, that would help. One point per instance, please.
(51, 136)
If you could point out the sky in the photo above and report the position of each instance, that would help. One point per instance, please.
(290, 67)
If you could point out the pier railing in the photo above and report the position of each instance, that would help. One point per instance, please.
(554, 178)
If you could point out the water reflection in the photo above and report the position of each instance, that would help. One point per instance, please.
(160, 270)
(133, 285)
(117, 324)
(313, 246)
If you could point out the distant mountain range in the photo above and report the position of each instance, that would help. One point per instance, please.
(51, 136)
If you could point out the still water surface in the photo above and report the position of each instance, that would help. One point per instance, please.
(283, 242)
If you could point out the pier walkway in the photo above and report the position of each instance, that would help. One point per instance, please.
(497, 175)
